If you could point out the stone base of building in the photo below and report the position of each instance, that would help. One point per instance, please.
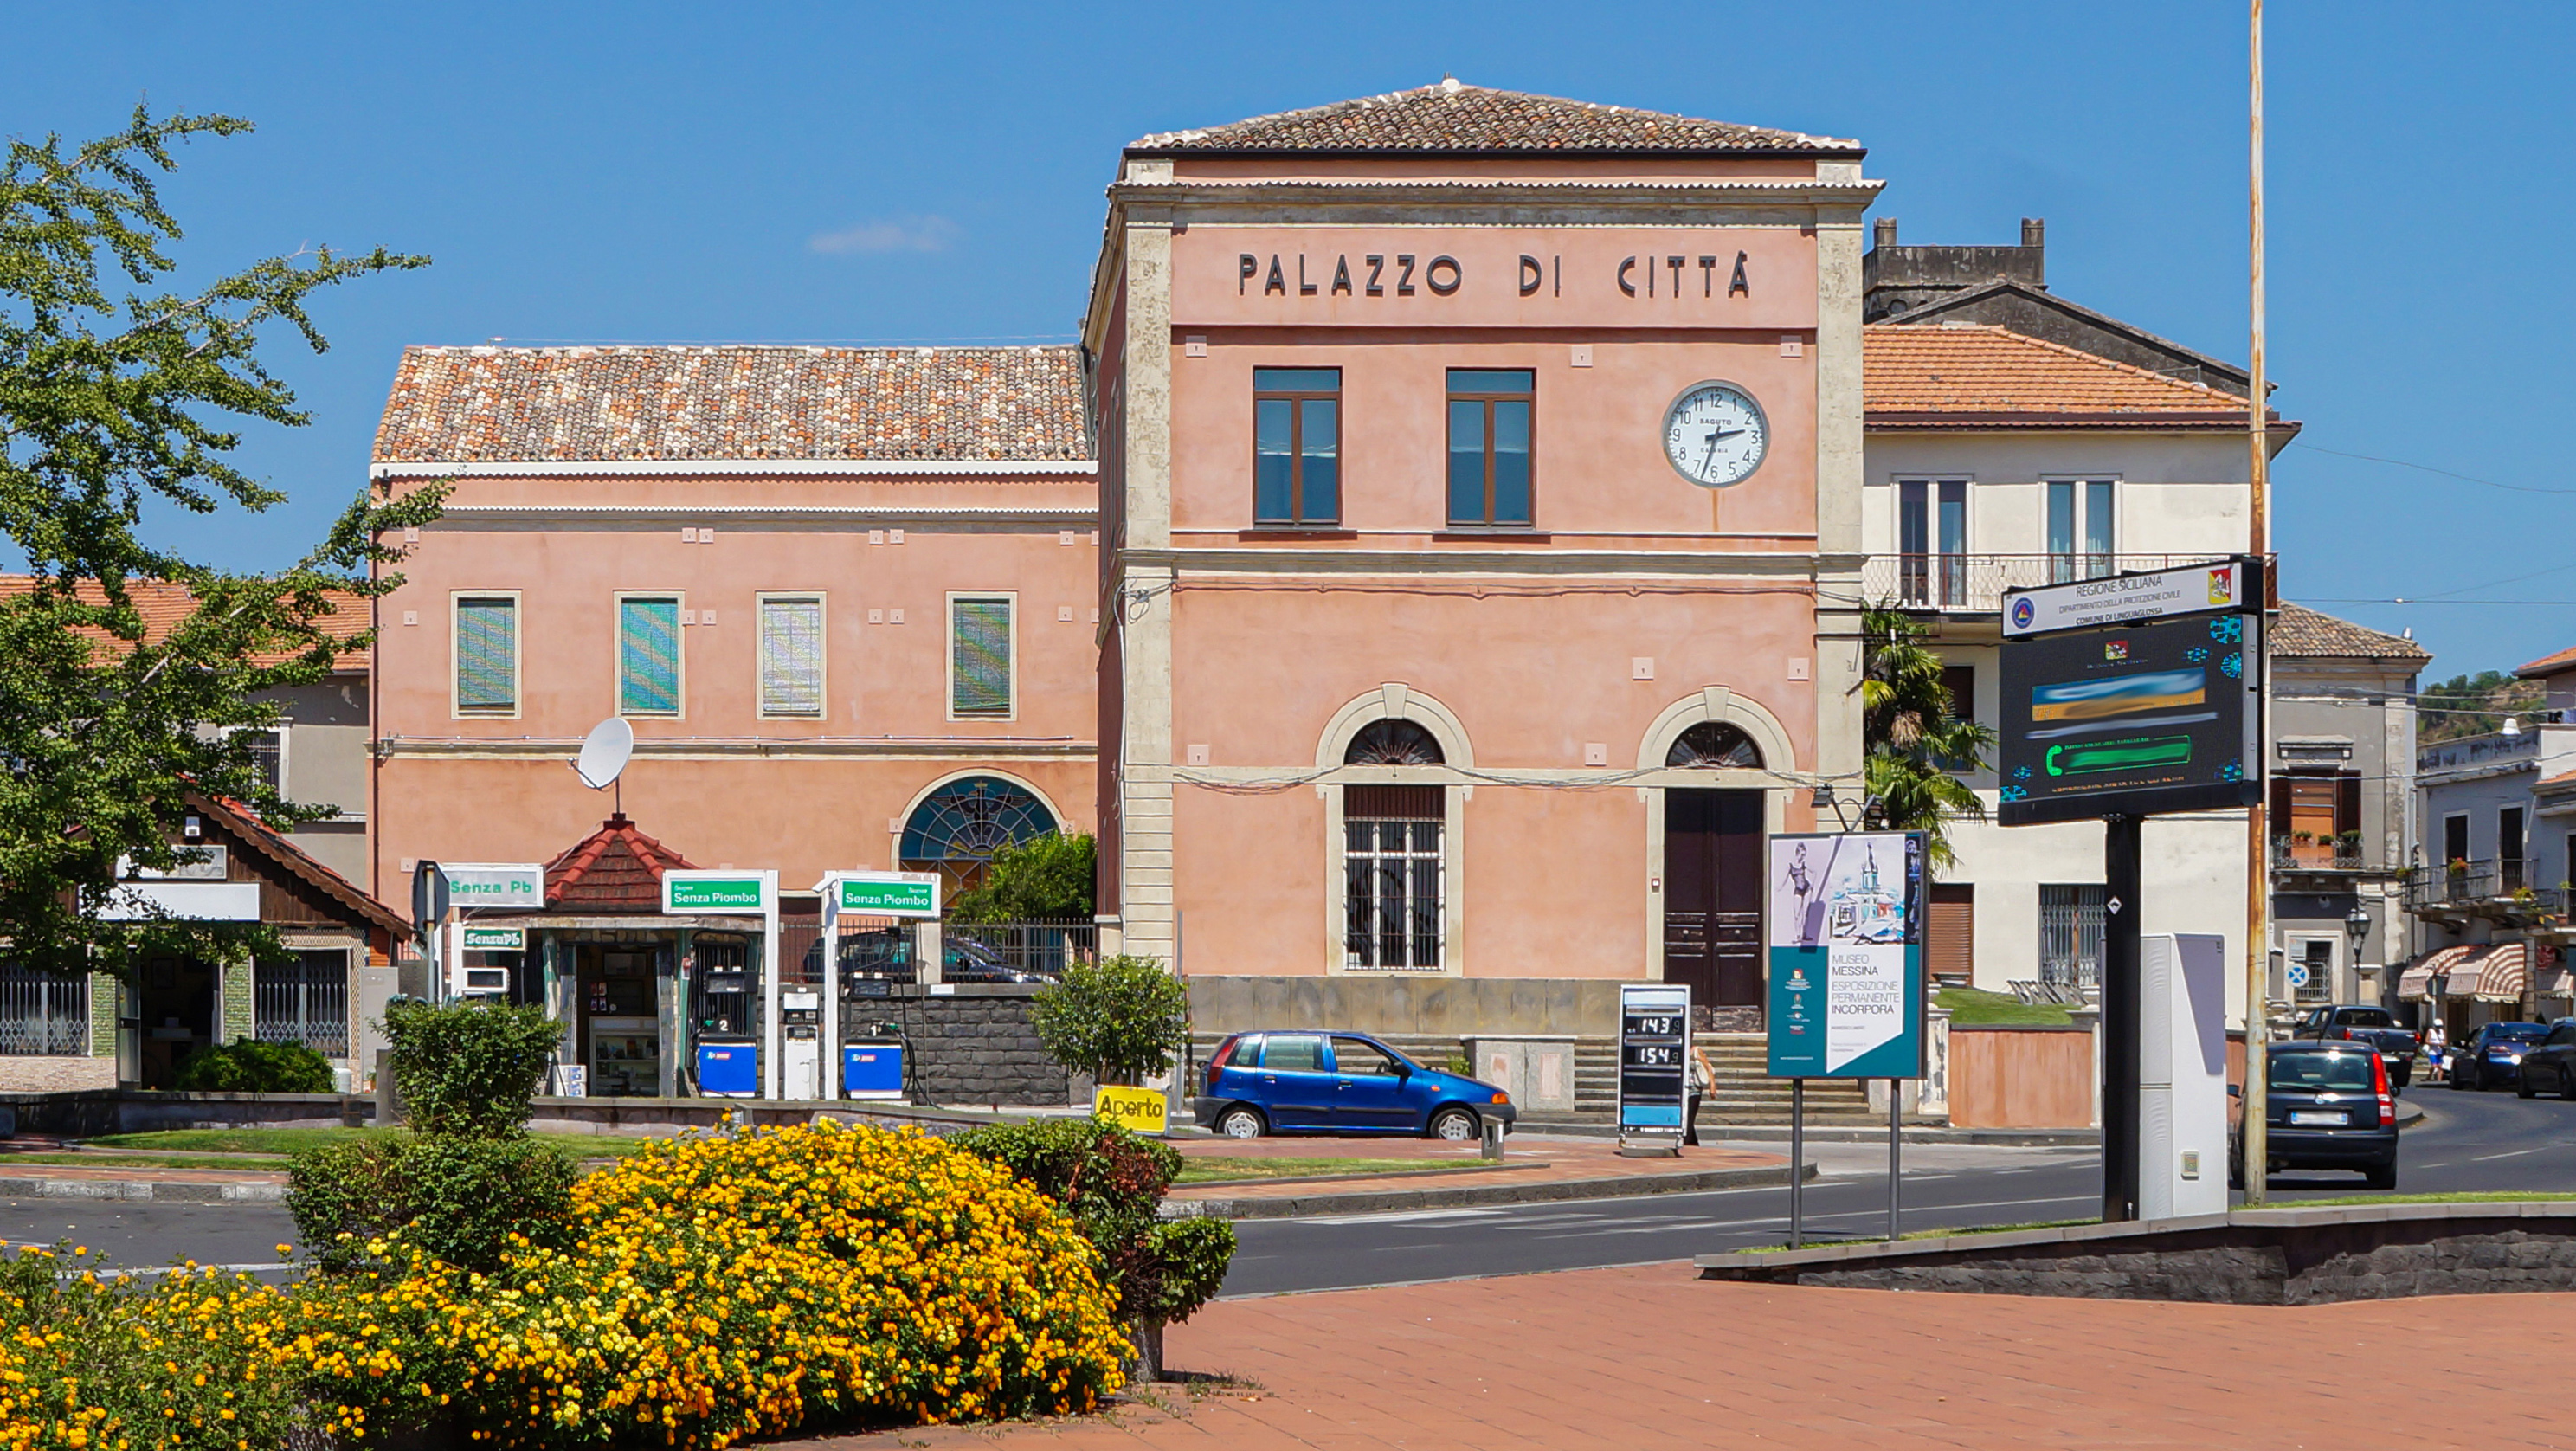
(56, 1075)
(1450, 1007)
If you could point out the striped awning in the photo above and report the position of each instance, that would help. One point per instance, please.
(2490, 972)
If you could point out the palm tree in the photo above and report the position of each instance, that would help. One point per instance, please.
(1917, 747)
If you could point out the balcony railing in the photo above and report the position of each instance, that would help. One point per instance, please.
(2291, 855)
(2499, 889)
(1975, 583)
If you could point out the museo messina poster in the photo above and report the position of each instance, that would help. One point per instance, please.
(1845, 955)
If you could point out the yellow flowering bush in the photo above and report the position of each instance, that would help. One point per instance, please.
(191, 1359)
(731, 1286)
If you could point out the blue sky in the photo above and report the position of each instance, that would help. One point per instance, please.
(646, 172)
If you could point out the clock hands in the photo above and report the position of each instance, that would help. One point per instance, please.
(1714, 435)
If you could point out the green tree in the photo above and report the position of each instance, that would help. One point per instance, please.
(115, 398)
(1917, 746)
(1120, 1019)
(1046, 878)
(2474, 705)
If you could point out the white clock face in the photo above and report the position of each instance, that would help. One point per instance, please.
(1716, 435)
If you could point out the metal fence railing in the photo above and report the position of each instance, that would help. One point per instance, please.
(43, 1014)
(304, 999)
(1975, 583)
(1040, 946)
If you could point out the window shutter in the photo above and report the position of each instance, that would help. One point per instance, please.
(487, 651)
(1950, 935)
(981, 642)
(648, 657)
(791, 657)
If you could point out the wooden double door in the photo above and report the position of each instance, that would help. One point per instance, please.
(1713, 847)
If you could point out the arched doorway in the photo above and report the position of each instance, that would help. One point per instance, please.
(1713, 842)
(956, 829)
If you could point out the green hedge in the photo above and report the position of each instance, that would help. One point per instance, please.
(246, 1065)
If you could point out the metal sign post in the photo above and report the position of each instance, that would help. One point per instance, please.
(1797, 1163)
(856, 894)
(742, 894)
(1654, 1067)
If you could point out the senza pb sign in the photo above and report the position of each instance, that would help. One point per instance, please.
(746, 892)
(496, 939)
(885, 894)
(494, 884)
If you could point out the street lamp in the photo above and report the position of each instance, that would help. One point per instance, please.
(2356, 925)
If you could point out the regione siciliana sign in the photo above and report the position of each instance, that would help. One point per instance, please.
(1845, 955)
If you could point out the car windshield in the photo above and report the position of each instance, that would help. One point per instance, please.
(2366, 1018)
(2515, 1032)
(2323, 1072)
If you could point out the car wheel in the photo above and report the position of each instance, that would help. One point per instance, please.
(1456, 1125)
(2404, 1076)
(2459, 1079)
(2382, 1177)
(2566, 1085)
(2523, 1087)
(1240, 1123)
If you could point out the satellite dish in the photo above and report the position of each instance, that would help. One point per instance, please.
(604, 752)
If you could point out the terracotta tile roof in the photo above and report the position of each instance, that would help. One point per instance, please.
(2299, 632)
(1452, 116)
(1977, 373)
(245, 825)
(163, 606)
(2552, 664)
(692, 403)
(616, 868)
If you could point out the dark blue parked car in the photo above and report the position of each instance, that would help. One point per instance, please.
(1338, 1083)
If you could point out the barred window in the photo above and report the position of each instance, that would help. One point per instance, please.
(979, 677)
(303, 999)
(487, 655)
(648, 655)
(1392, 876)
(43, 1014)
(791, 655)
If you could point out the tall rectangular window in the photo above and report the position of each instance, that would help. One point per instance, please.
(1489, 445)
(1932, 535)
(2080, 514)
(1296, 446)
(303, 999)
(791, 656)
(2509, 873)
(979, 668)
(2072, 920)
(648, 655)
(1392, 875)
(487, 654)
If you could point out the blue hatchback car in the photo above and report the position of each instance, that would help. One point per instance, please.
(1338, 1083)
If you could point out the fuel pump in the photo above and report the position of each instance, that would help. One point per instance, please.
(724, 1023)
(801, 1046)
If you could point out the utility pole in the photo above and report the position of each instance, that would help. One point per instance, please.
(2258, 850)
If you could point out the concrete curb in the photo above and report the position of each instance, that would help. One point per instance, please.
(159, 1191)
(1472, 1196)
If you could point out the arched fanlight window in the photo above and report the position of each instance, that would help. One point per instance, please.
(1714, 744)
(958, 828)
(1393, 743)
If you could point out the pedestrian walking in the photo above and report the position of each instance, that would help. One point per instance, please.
(1701, 1077)
(2435, 1040)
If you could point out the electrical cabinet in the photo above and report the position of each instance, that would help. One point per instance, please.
(2182, 1075)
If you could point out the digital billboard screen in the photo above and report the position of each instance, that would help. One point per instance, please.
(2146, 717)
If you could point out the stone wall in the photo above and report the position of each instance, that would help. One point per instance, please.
(976, 1047)
(2248, 1257)
(56, 1075)
(1447, 1007)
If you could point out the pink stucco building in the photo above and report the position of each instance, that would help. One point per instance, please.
(845, 596)
(1479, 480)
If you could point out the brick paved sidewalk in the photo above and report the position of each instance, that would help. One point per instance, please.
(1651, 1358)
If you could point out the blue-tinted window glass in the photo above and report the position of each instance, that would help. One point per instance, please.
(1511, 462)
(1319, 449)
(1274, 459)
(1466, 461)
(1490, 380)
(2097, 517)
(1297, 380)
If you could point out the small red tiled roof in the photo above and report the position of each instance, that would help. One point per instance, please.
(2553, 664)
(163, 605)
(616, 868)
(2299, 632)
(1977, 374)
(679, 404)
(1452, 116)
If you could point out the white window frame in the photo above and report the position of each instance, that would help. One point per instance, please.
(617, 654)
(518, 654)
(822, 652)
(948, 649)
(2468, 836)
(2119, 529)
(2318, 994)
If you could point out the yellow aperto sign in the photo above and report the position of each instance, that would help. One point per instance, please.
(1139, 1110)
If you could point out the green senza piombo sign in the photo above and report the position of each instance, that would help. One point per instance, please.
(890, 895)
(713, 893)
(496, 939)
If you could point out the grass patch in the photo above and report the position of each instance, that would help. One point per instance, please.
(280, 1142)
(1218, 1171)
(1970, 1008)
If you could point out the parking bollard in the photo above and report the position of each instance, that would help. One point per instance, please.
(1493, 1138)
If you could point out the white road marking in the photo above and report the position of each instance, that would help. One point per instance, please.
(2514, 1154)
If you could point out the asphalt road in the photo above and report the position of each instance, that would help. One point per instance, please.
(2468, 1142)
